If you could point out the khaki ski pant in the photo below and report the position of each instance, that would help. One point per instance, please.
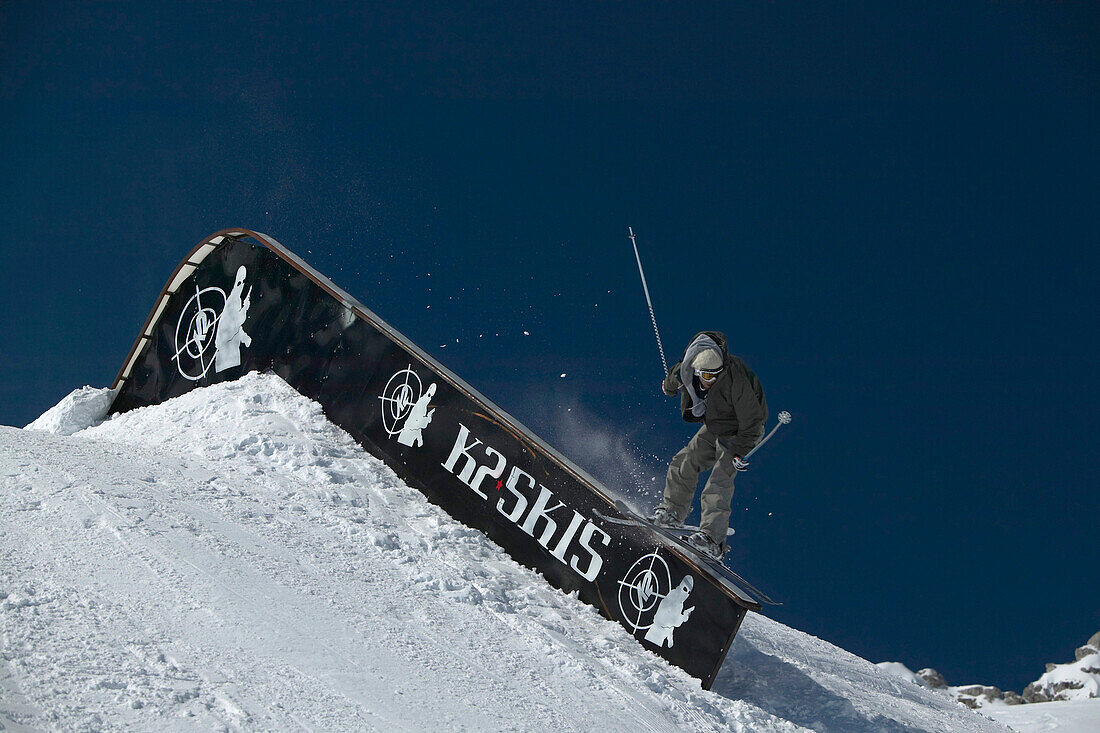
(705, 451)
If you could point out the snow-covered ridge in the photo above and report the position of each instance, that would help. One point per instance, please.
(973, 696)
(232, 559)
(1076, 680)
(1069, 694)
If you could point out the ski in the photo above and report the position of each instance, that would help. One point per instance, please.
(682, 529)
(675, 535)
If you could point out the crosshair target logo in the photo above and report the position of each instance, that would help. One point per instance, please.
(642, 589)
(195, 332)
(401, 393)
(210, 331)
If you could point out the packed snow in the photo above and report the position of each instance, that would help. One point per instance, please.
(231, 559)
(1080, 716)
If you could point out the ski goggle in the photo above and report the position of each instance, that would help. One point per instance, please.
(708, 376)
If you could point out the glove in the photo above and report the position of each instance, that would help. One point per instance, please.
(665, 390)
(739, 464)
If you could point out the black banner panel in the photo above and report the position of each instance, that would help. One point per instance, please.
(242, 302)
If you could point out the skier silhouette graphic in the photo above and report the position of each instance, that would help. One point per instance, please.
(670, 613)
(230, 334)
(419, 418)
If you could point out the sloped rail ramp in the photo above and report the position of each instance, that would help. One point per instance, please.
(242, 302)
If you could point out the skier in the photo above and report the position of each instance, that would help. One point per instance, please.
(721, 392)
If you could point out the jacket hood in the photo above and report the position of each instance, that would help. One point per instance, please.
(704, 341)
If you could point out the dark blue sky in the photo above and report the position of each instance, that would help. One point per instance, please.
(890, 209)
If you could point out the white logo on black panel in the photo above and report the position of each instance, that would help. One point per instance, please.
(647, 588)
(210, 331)
(405, 411)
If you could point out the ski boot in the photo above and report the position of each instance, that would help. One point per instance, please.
(702, 542)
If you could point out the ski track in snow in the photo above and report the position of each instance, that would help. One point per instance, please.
(232, 560)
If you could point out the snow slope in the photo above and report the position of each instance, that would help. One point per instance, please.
(231, 559)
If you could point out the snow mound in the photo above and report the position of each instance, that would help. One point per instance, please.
(230, 559)
(79, 409)
(899, 670)
(259, 420)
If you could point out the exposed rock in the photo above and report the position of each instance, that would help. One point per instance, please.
(977, 696)
(1034, 693)
(1066, 685)
(1084, 651)
(932, 678)
(1094, 641)
(1014, 698)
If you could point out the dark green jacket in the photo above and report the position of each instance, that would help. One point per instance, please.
(736, 407)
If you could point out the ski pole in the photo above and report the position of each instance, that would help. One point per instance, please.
(784, 418)
(660, 348)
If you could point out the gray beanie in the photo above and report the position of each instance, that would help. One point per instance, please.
(704, 354)
(707, 360)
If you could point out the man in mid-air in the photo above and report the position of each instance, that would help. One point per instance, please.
(721, 392)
